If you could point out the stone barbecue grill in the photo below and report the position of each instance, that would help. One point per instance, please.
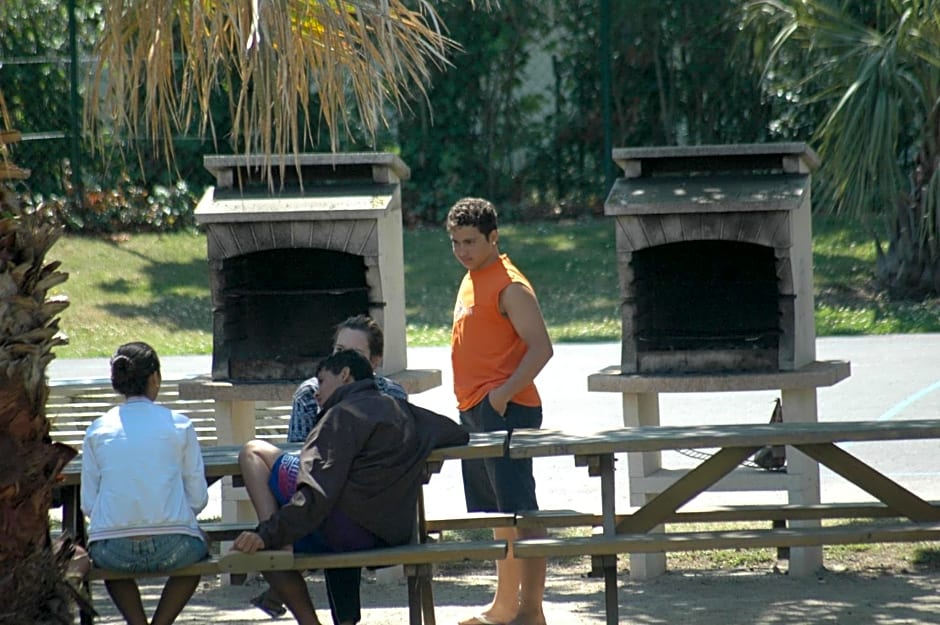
(285, 267)
(714, 254)
(715, 258)
(289, 258)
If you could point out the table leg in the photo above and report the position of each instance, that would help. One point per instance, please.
(73, 523)
(799, 406)
(427, 601)
(235, 425)
(642, 409)
(611, 601)
(608, 494)
(605, 468)
(415, 587)
(425, 592)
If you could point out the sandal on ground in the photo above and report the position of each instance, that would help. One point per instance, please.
(268, 605)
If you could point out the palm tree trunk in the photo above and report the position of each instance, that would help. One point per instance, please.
(32, 572)
(910, 268)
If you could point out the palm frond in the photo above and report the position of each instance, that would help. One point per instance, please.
(286, 65)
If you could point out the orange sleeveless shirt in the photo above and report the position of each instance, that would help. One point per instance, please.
(485, 349)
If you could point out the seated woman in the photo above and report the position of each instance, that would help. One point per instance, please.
(143, 484)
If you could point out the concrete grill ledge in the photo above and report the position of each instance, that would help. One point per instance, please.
(204, 387)
(816, 374)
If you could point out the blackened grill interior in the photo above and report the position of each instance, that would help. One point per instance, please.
(282, 306)
(706, 295)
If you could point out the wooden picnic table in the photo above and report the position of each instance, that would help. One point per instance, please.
(236, 415)
(735, 443)
(222, 461)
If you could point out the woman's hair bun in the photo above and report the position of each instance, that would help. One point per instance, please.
(131, 367)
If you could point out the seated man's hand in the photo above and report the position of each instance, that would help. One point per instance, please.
(248, 542)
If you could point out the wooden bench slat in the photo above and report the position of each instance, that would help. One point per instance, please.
(220, 530)
(472, 521)
(223, 530)
(555, 519)
(205, 567)
(528, 443)
(430, 553)
(549, 519)
(742, 539)
(790, 512)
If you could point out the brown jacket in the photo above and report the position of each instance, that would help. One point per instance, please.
(366, 456)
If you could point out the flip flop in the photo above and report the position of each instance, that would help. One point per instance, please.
(268, 605)
(479, 619)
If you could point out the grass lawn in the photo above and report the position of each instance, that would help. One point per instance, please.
(155, 287)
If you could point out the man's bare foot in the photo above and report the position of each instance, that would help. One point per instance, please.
(484, 618)
(537, 618)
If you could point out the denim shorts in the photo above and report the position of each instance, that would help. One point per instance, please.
(499, 484)
(148, 554)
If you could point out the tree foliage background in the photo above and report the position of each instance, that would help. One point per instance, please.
(517, 117)
(873, 68)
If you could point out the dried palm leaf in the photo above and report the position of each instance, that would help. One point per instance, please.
(286, 65)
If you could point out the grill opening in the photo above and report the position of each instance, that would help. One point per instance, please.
(281, 307)
(706, 295)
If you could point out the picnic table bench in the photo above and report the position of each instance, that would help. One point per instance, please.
(416, 559)
(635, 532)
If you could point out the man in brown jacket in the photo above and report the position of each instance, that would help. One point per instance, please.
(357, 482)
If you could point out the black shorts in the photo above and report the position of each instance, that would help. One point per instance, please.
(499, 484)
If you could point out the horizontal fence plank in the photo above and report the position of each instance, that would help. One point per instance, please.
(71, 408)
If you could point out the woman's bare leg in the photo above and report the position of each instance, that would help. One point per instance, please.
(176, 594)
(126, 596)
(292, 589)
(256, 459)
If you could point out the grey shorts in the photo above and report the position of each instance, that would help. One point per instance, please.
(499, 484)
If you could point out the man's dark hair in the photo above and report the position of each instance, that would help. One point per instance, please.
(371, 328)
(359, 366)
(475, 212)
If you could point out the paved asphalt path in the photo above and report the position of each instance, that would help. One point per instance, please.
(893, 377)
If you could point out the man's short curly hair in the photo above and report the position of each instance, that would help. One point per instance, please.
(359, 367)
(475, 212)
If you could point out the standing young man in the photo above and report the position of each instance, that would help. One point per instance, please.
(499, 344)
